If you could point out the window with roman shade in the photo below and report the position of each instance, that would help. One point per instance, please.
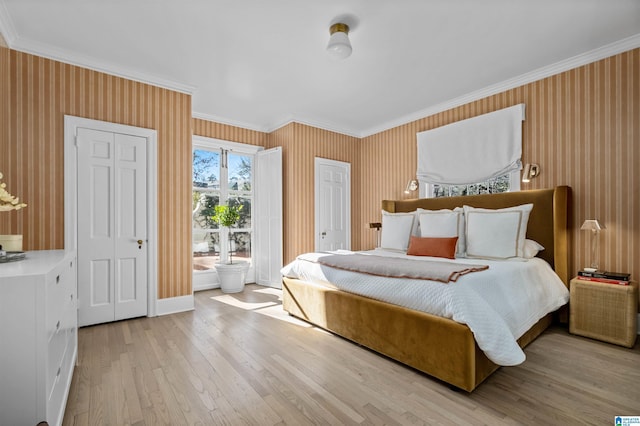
(479, 151)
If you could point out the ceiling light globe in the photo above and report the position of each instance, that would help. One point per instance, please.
(339, 45)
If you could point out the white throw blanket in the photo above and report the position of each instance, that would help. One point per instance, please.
(499, 305)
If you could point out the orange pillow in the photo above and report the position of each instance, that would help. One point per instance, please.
(435, 247)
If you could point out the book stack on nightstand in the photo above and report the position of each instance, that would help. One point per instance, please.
(604, 305)
(619, 278)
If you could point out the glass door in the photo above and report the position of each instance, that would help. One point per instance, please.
(222, 174)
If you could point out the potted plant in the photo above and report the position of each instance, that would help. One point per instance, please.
(231, 275)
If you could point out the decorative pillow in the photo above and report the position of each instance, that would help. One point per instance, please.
(396, 230)
(435, 247)
(531, 248)
(496, 233)
(443, 223)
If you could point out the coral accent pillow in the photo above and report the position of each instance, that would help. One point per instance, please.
(434, 247)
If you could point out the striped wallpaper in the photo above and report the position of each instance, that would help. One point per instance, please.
(225, 132)
(300, 145)
(38, 94)
(582, 127)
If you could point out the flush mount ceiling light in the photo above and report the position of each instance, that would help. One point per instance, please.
(339, 45)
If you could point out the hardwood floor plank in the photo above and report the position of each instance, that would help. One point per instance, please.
(130, 391)
(237, 360)
(176, 415)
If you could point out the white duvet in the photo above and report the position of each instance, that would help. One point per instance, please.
(499, 304)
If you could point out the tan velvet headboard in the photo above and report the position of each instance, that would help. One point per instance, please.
(548, 221)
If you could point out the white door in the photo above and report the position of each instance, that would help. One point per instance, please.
(268, 183)
(332, 205)
(112, 226)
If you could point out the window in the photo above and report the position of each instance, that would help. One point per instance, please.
(222, 173)
(478, 155)
(504, 183)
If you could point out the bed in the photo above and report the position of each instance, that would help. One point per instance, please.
(437, 346)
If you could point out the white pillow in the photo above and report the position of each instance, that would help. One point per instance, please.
(443, 223)
(531, 248)
(496, 233)
(396, 230)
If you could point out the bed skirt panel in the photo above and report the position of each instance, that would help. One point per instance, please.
(437, 346)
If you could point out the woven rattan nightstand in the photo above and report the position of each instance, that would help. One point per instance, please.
(606, 312)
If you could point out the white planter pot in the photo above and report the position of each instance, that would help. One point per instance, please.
(232, 276)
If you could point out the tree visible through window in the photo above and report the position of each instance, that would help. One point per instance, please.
(220, 177)
(492, 186)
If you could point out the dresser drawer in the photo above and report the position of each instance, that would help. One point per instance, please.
(56, 299)
(57, 393)
(55, 354)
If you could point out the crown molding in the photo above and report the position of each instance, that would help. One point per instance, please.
(61, 55)
(229, 122)
(317, 124)
(7, 29)
(603, 52)
(290, 118)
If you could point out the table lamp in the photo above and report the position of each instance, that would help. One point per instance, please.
(595, 227)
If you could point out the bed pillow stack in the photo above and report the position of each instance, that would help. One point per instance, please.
(396, 230)
(443, 224)
(461, 232)
(496, 233)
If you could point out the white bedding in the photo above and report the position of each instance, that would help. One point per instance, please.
(499, 305)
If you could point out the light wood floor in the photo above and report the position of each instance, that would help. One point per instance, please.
(238, 360)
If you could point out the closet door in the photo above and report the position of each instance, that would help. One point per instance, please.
(112, 224)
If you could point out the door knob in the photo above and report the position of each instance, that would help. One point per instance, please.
(323, 235)
(140, 244)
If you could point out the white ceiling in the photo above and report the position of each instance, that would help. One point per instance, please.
(261, 64)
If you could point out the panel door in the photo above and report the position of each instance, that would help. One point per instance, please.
(112, 250)
(333, 205)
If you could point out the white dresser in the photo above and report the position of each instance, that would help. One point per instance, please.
(38, 337)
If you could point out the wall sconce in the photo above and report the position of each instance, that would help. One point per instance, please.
(339, 45)
(530, 171)
(377, 226)
(412, 185)
(595, 227)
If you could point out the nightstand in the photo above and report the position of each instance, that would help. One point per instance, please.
(602, 311)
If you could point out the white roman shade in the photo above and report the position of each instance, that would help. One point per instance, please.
(472, 150)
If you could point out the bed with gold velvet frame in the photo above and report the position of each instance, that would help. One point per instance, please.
(437, 346)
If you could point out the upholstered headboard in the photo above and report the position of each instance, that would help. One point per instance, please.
(548, 221)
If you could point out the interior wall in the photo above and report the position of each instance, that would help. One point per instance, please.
(300, 145)
(581, 127)
(39, 92)
(211, 129)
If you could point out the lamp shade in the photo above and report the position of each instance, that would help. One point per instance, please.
(592, 225)
(339, 45)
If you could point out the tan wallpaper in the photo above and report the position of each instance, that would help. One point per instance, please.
(300, 145)
(40, 92)
(582, 127)
(225, 132)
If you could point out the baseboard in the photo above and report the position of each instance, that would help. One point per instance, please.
(173, 305)
(209, 286)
